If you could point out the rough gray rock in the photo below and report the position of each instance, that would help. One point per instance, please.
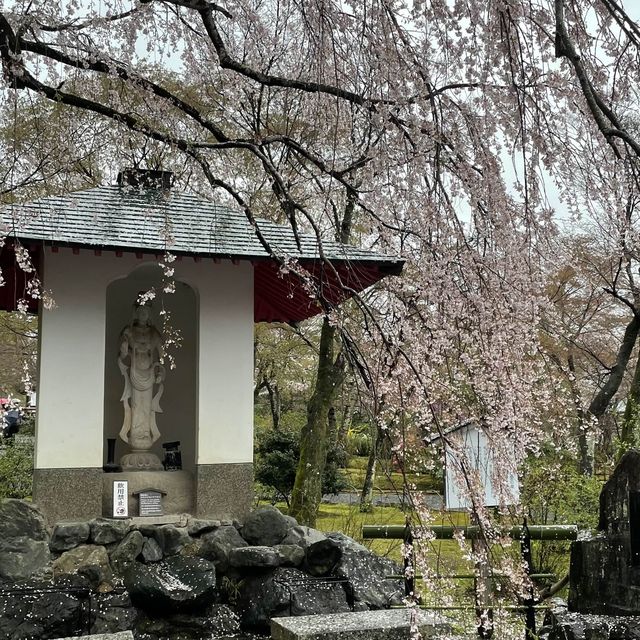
(291, 555)
(68, 535)
(112, 613)
(196, 526)
(171, 538)
(285, 592)
(91, 561)
(106, 531)
(303, 536)
(560, 624)
(322, 557)
(218, 621)
(22, 557)
(40, 615)
(151, 551)
(129, 548)
(174, 585)
(399, 624)
(24, 541)
(216, 545)
(20, 519)
(365, 572)
(254, 557)
(265, 526)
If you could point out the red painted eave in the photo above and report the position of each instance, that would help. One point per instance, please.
(279, 295)
(15, 279)
(287, 297)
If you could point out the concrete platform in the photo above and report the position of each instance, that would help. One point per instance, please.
(394, 624)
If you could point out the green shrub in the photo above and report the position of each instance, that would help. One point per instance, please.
(28, 426)
(359, 443)
(554, 492)
(16, 470)
(333, 480)
(277, 455)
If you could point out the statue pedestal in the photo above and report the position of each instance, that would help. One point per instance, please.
(141, 461)
(177, 485)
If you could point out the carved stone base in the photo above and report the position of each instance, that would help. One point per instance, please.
(177, 485)
(141, 461)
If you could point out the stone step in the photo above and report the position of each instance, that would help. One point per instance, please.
(394, 624)
(121, 635)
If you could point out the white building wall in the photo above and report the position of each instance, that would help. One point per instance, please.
(496, 471)
(70, 430)
(225, 387)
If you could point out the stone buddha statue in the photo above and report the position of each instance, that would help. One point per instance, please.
(140, 362)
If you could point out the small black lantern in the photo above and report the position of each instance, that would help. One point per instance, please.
(172, 456)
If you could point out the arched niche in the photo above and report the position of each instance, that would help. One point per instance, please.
(179, 416)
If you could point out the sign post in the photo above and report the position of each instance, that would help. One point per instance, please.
(120, 499)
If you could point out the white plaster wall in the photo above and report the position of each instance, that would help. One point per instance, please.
(225, 385)
(71, 429)
(70, 390)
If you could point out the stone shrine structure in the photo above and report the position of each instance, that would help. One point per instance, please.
(605, 569)
(95, 250)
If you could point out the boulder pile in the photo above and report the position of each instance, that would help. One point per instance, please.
(178, 582)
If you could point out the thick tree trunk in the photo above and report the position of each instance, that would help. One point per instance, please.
(307, 489)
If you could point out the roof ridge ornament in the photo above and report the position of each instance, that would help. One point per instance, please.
(145, 178)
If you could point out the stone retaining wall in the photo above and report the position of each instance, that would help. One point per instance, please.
(181, 579)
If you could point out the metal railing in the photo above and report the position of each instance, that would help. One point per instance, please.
(484, 612)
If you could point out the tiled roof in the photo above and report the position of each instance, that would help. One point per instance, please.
(126, 218)
(152, 221)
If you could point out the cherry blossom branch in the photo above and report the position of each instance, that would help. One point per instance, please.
(605, 119)
(77, 26)
(112, 68)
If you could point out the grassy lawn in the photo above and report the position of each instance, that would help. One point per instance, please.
(387, 479)
(349, 520)
(443, 555)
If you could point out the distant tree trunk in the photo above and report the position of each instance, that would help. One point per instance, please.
(631, 418)
(585, 461)
(366, 497)
(307, 489)
(601, 401)
(345, 421)
(332, 433)
(274, 402)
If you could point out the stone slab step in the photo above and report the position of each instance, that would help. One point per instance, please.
(394, 624)
(121, 635)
